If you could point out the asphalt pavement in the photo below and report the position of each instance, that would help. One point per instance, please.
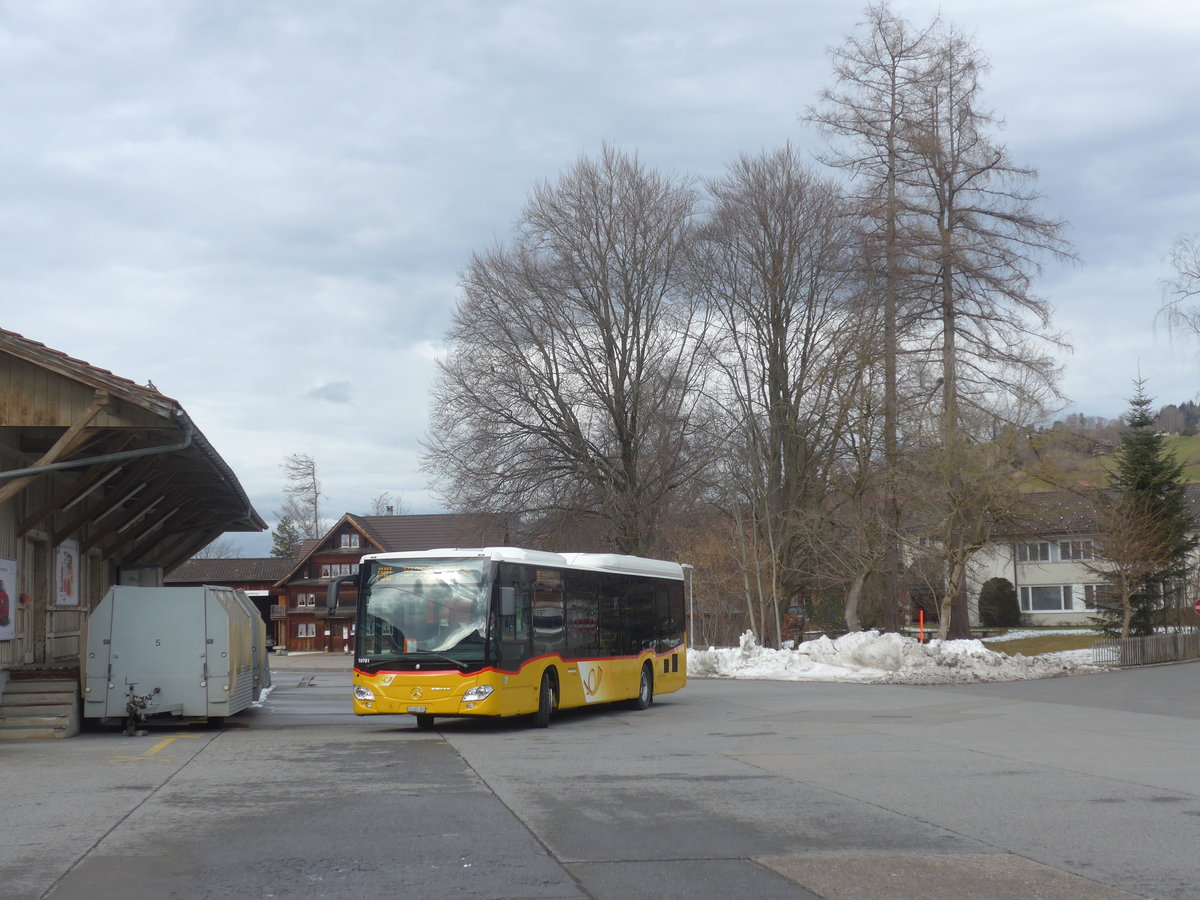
(1081, 788)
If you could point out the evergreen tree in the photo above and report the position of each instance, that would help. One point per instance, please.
(286, 537)
(1147, 477)
(998, 604)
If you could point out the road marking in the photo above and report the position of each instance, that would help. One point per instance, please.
(161, 745)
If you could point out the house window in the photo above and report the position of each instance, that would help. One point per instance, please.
(306, 629)
(331, 570)
(306, 600)
(1073, 550)
(1038, 551)
(1094, 592)
(1047, 598)
(350, 540)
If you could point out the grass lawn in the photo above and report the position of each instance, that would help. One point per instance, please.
(1050, 642)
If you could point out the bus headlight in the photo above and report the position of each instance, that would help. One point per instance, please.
(477, 693)
(366, 695)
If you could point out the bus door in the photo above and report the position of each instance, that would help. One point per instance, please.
(515, 618)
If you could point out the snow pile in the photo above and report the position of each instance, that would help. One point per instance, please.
(871, 657)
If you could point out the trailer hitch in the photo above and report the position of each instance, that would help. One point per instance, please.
(136, 707)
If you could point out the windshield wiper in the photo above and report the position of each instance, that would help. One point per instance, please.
(452, 661)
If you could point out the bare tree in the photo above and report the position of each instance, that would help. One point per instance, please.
(570, 382)
(385, 505)
(221, 548)
(1183, 286)
(1131, 551)
(978, 241)
(956, 231)
(959, 494)
(867, 113)
(302, 495)
(774, 265)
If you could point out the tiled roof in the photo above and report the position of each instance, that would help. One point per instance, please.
(393, 533)
(388, 534)
(1052, 513)
(267, 569)
(102, 379)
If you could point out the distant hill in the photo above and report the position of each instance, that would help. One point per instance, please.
(1077, 468)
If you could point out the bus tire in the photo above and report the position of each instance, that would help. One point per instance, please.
(645, 689)
(546, 694)
(424, 721)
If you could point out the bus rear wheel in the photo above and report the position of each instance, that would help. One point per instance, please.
(645, 690)
(545, 701)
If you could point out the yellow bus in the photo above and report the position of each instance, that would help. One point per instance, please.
(502, 631)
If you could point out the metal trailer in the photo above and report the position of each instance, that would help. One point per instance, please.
(192, 653)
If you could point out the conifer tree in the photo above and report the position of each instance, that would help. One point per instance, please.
(286, 538)
(1148, 483)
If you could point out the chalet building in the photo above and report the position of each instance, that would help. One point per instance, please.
(257, 577)
(302, 621)
(1046, 555)
(102, 482)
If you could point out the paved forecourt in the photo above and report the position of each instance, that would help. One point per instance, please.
(1072, 788)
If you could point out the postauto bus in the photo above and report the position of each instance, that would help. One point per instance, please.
(502, 631)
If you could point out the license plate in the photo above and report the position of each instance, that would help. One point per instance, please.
(417, 709)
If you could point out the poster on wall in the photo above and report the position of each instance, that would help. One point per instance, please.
(8, 598)
(66, 574)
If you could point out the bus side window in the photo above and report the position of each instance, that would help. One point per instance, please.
(515, 628)
(639, 616)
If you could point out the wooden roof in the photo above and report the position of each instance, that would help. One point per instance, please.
(1054, 513)
(133, 475)
(386, 534)
(267, 569)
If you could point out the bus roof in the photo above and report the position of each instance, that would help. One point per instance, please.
(597, 562)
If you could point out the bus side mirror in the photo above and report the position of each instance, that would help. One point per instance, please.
(331, 594)
(508, 601)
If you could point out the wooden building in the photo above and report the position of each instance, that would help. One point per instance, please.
(304, 623)
(102, 481)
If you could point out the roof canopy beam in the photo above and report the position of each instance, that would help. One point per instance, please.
(69, 440)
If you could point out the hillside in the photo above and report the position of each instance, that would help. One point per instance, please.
(1072, 467)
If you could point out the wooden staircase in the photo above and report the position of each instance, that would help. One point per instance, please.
(39, 704)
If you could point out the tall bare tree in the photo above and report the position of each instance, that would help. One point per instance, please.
(773, 263)
(302, 495)
(961, 237)
(569, 386)
(867, 113)
(979, 242)
(1183, 285)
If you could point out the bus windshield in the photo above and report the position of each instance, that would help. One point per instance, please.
(424, 610)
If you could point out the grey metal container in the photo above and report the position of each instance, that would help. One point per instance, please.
(192, 652)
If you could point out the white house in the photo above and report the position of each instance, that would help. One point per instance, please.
(1045, 553)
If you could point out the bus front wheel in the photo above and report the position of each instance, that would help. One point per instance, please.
(545, 701)
(645, 689)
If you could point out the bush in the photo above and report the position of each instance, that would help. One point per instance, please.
(998, 606)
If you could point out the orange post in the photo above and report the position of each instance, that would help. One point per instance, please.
(920, 626)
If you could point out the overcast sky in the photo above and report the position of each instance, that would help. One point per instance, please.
(263, 207)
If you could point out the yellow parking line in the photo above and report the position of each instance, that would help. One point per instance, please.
(160, 745)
